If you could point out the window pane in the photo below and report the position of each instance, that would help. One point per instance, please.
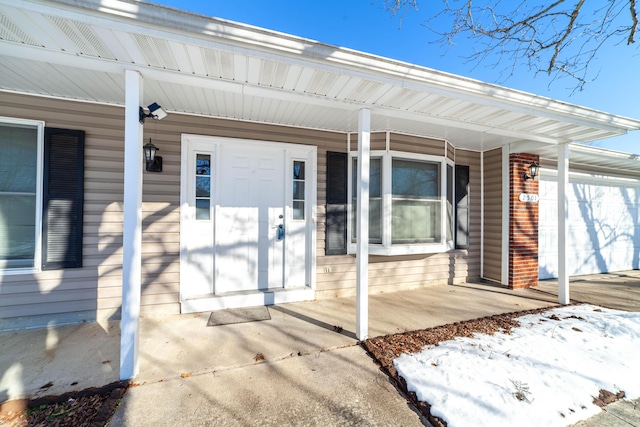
(415, 205)
(375, 200)
(375, 221)
(18, 186)
(415, 221)
(203, 164)
(202, 209)
(298, 170)
(298, 210)
(203, 186)
(18, 158)
(419, 180)
(298, 190)
(17, 230)
(375, 177)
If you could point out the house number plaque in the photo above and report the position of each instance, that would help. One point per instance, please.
(529, 198)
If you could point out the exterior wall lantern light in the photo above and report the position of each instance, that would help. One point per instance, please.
(155, 112)
(154, 163)
(533, 171)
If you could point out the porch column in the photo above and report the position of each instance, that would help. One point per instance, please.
(563, 218)
(132, 228)
(362, 232)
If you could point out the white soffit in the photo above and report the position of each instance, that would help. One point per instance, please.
(206, 66)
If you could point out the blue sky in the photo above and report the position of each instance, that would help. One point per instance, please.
(363, 25)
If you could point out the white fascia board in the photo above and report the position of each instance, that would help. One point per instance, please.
(592, 178)
(529, 146)
(373, 67)
(599, 152)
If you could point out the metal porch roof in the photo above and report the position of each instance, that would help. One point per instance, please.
(193, 64)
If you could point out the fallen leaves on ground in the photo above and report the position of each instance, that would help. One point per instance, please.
(86, 408)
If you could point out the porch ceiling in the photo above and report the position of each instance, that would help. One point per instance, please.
(199, 65)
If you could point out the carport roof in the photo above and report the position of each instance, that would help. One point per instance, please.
(194, 64)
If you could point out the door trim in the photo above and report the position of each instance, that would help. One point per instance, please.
(258, 297)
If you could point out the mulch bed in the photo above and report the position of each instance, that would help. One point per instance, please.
(91, 407)
(387, 348)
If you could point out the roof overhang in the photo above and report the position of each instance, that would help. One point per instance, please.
(193, 64)
(584, 156)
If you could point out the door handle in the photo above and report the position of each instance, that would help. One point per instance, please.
(280, 233)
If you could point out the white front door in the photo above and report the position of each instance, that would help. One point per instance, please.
(246, 217)
(249, 252)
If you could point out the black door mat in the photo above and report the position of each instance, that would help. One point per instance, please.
(238, 315)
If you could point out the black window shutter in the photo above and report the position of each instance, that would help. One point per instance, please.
(462, 207)
(336, 225)
(63, 184)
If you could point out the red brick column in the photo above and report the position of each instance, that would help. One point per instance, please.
(523, 223)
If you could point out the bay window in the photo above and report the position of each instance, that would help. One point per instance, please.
(410, 203)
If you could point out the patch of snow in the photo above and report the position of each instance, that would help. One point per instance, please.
(546, 372)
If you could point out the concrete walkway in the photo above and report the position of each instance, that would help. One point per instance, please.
(310, 375)
(294, 369)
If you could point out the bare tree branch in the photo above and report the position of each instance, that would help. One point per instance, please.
(634, 20)
(560, 38)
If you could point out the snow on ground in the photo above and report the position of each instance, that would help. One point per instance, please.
(546, 372)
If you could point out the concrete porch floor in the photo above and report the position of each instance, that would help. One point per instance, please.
(307, 365)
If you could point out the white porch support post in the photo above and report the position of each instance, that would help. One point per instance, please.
(362, 232)
(132, 233)
(563, 219)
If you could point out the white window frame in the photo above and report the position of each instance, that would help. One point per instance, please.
(451, 244)
(386, 248)
(37, 256)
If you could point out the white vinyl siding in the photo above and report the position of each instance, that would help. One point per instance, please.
(94, 290)
(493, 214)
